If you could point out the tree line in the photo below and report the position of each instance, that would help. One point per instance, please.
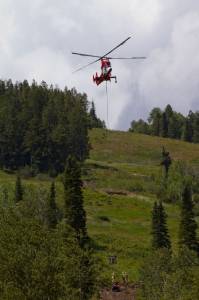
(169, 123)
(41, 126)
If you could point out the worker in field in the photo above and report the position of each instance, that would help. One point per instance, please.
(113, 277)
(125, 278)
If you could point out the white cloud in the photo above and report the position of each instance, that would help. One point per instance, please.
(37, 38)
(171, 73)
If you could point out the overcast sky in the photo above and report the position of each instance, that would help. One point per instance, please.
(38, 36)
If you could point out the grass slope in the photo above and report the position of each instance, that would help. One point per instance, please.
(119, 193)
(120, 189)
(126, 147)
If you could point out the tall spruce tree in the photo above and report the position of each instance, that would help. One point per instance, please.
(18, 190)
(188, 225)
(155, 226)
(164, 234)
(155, 121)
(160, 235)
(166, 161)
(75, 214)
(93, 116)
(196, 128)
(52, 207)
(164, 125)
(94, 121)
(187, 131)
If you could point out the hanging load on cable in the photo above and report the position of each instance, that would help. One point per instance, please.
(106, 69)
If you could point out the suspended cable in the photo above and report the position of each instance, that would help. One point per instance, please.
(107, 107)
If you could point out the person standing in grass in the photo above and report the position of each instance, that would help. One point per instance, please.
(113, 277)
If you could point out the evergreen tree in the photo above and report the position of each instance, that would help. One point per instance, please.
(93, 116)
(94, 121)
(155, 226)
(78, 133)
(75, 214)
(52, 207)
(164, 125)
(155, 121)
(160, 235)
(196, 128)
(175, 126)
(188, 225)
(187, 131)
(166, 161)
(140, 126)
(87, 274)
(168, 111)
(18, 190)
(164, 240)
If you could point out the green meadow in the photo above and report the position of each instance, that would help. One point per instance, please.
(120, 182)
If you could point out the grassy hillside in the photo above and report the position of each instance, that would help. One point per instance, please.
(120, 181)
(120, 177)
(126, 147)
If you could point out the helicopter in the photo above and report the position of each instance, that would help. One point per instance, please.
(106, 69)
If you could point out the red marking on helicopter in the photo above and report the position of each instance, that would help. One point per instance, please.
(106, 70)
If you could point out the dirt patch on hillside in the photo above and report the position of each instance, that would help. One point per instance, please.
(115, 192)
(124, 193)
(124, 294)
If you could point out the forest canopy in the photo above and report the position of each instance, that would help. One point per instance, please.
(169, 123)
(40, 126)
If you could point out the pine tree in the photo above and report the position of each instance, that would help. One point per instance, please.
(173, 127)
(155, 121)
(168, 111)
(187, 131)
(52, 207)
(164, 240)
(18, 190)
(155, 226)
(164, 125)
(75, 214)
(94, 121)
(196, 128)
(166, 161)
(87, 274)
(140, 126)
(160, 235)
(188, 225)
(93, 116)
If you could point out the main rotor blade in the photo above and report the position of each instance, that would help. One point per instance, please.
(92, 62)
(84, 54)
(134, 57)
(105, 55)
(97, 56)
